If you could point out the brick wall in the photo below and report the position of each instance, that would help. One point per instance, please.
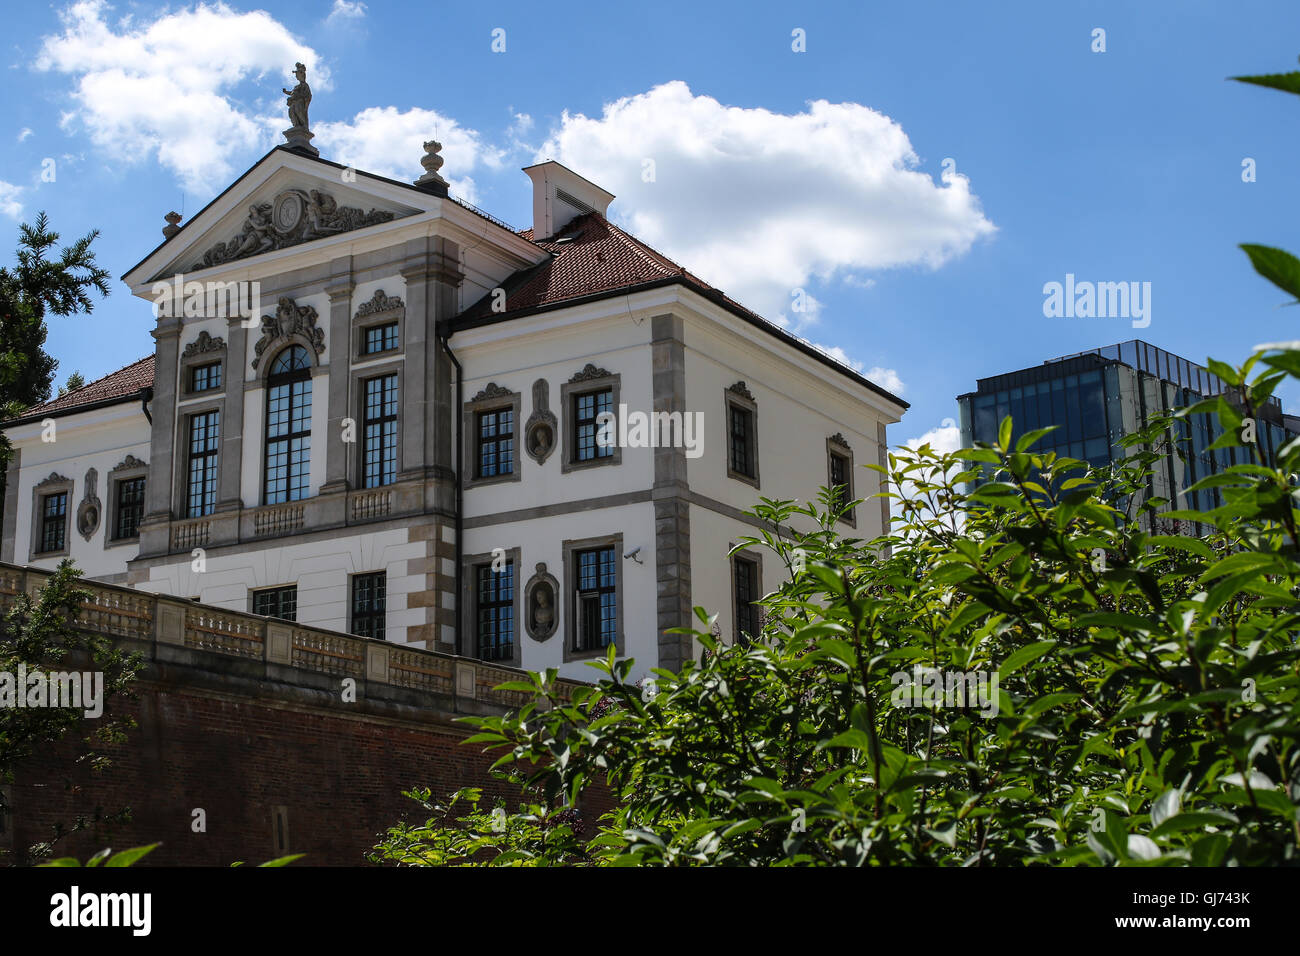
(256, 721)
(338, 775)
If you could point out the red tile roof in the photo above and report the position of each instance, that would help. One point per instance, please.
(591, 256)
(118, 386)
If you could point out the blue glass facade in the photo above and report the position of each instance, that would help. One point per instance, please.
(1099, 396)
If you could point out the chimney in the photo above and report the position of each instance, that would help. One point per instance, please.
(560, 195)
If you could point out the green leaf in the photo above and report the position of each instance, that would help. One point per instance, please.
(1142, 847)
(1197, 820)
(1286, 82)
(1004, 434)
(856, 739)
(129, 857)
(1022, 656)
(1276, 265)
(283, 860)
(1028, 439)
(1240, 562)
(1165, 806)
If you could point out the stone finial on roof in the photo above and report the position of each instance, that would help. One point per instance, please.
(432, 162)
(173, 224)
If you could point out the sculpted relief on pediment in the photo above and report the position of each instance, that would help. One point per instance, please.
(294, 216)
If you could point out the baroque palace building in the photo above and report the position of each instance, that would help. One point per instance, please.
(409, 439)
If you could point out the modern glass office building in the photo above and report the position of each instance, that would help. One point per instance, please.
(1099, 396)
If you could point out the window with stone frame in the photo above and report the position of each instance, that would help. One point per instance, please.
(288, 427)
(494, 442)
(128, 508)
(587, 411)
(379, 431)
(369, 604)
(494, 611)
(590, 406)
(490, 436)
(201, 471)
(53, 530)
(205, 377)
(379, 338)
(279, 602)
(746, 585)
(742, 433)
(595, 598)
(839, 474)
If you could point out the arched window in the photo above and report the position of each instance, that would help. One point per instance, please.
(288, 427)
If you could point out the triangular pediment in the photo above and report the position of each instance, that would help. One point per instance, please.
(285, 201)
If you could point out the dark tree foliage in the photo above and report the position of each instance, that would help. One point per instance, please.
(41, 635)
(41, 282)
(1146, 710)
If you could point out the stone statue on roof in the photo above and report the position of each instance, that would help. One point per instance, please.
(299, 98)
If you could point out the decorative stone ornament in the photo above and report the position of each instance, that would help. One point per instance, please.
(741, 389)
(541, 616)
(293, 217)
(432, 180)
(90, 510)
(839, 439)
(491, 390)
(541, 429)
(130, 461)
(590, 372)
(204, 343)
(379, 304)
(173, 224)
(290, 321)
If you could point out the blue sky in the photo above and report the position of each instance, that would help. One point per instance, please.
(776, 170)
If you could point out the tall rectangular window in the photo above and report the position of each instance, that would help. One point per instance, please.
(379, 338)
(496, 443)
(201, 484)
(745, 582)
(130, 508)
(741, 434)
(495, 604)
(288, 427)
(369, 602)
(54, 522)
(841, 480)
(587, 410)
(596, 600)
(379, 438)
(281, 602)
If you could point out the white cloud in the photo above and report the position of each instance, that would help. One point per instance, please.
(166, 88)
(886, 378)
(944, 439)
(384, 140)
(343, 11)
(24, 133)
(837, 353)
(521, 123)
(9, 204)
(761, 203)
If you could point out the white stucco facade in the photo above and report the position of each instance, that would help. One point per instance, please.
(670, 514)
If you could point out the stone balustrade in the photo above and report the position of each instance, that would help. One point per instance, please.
(290, 652)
